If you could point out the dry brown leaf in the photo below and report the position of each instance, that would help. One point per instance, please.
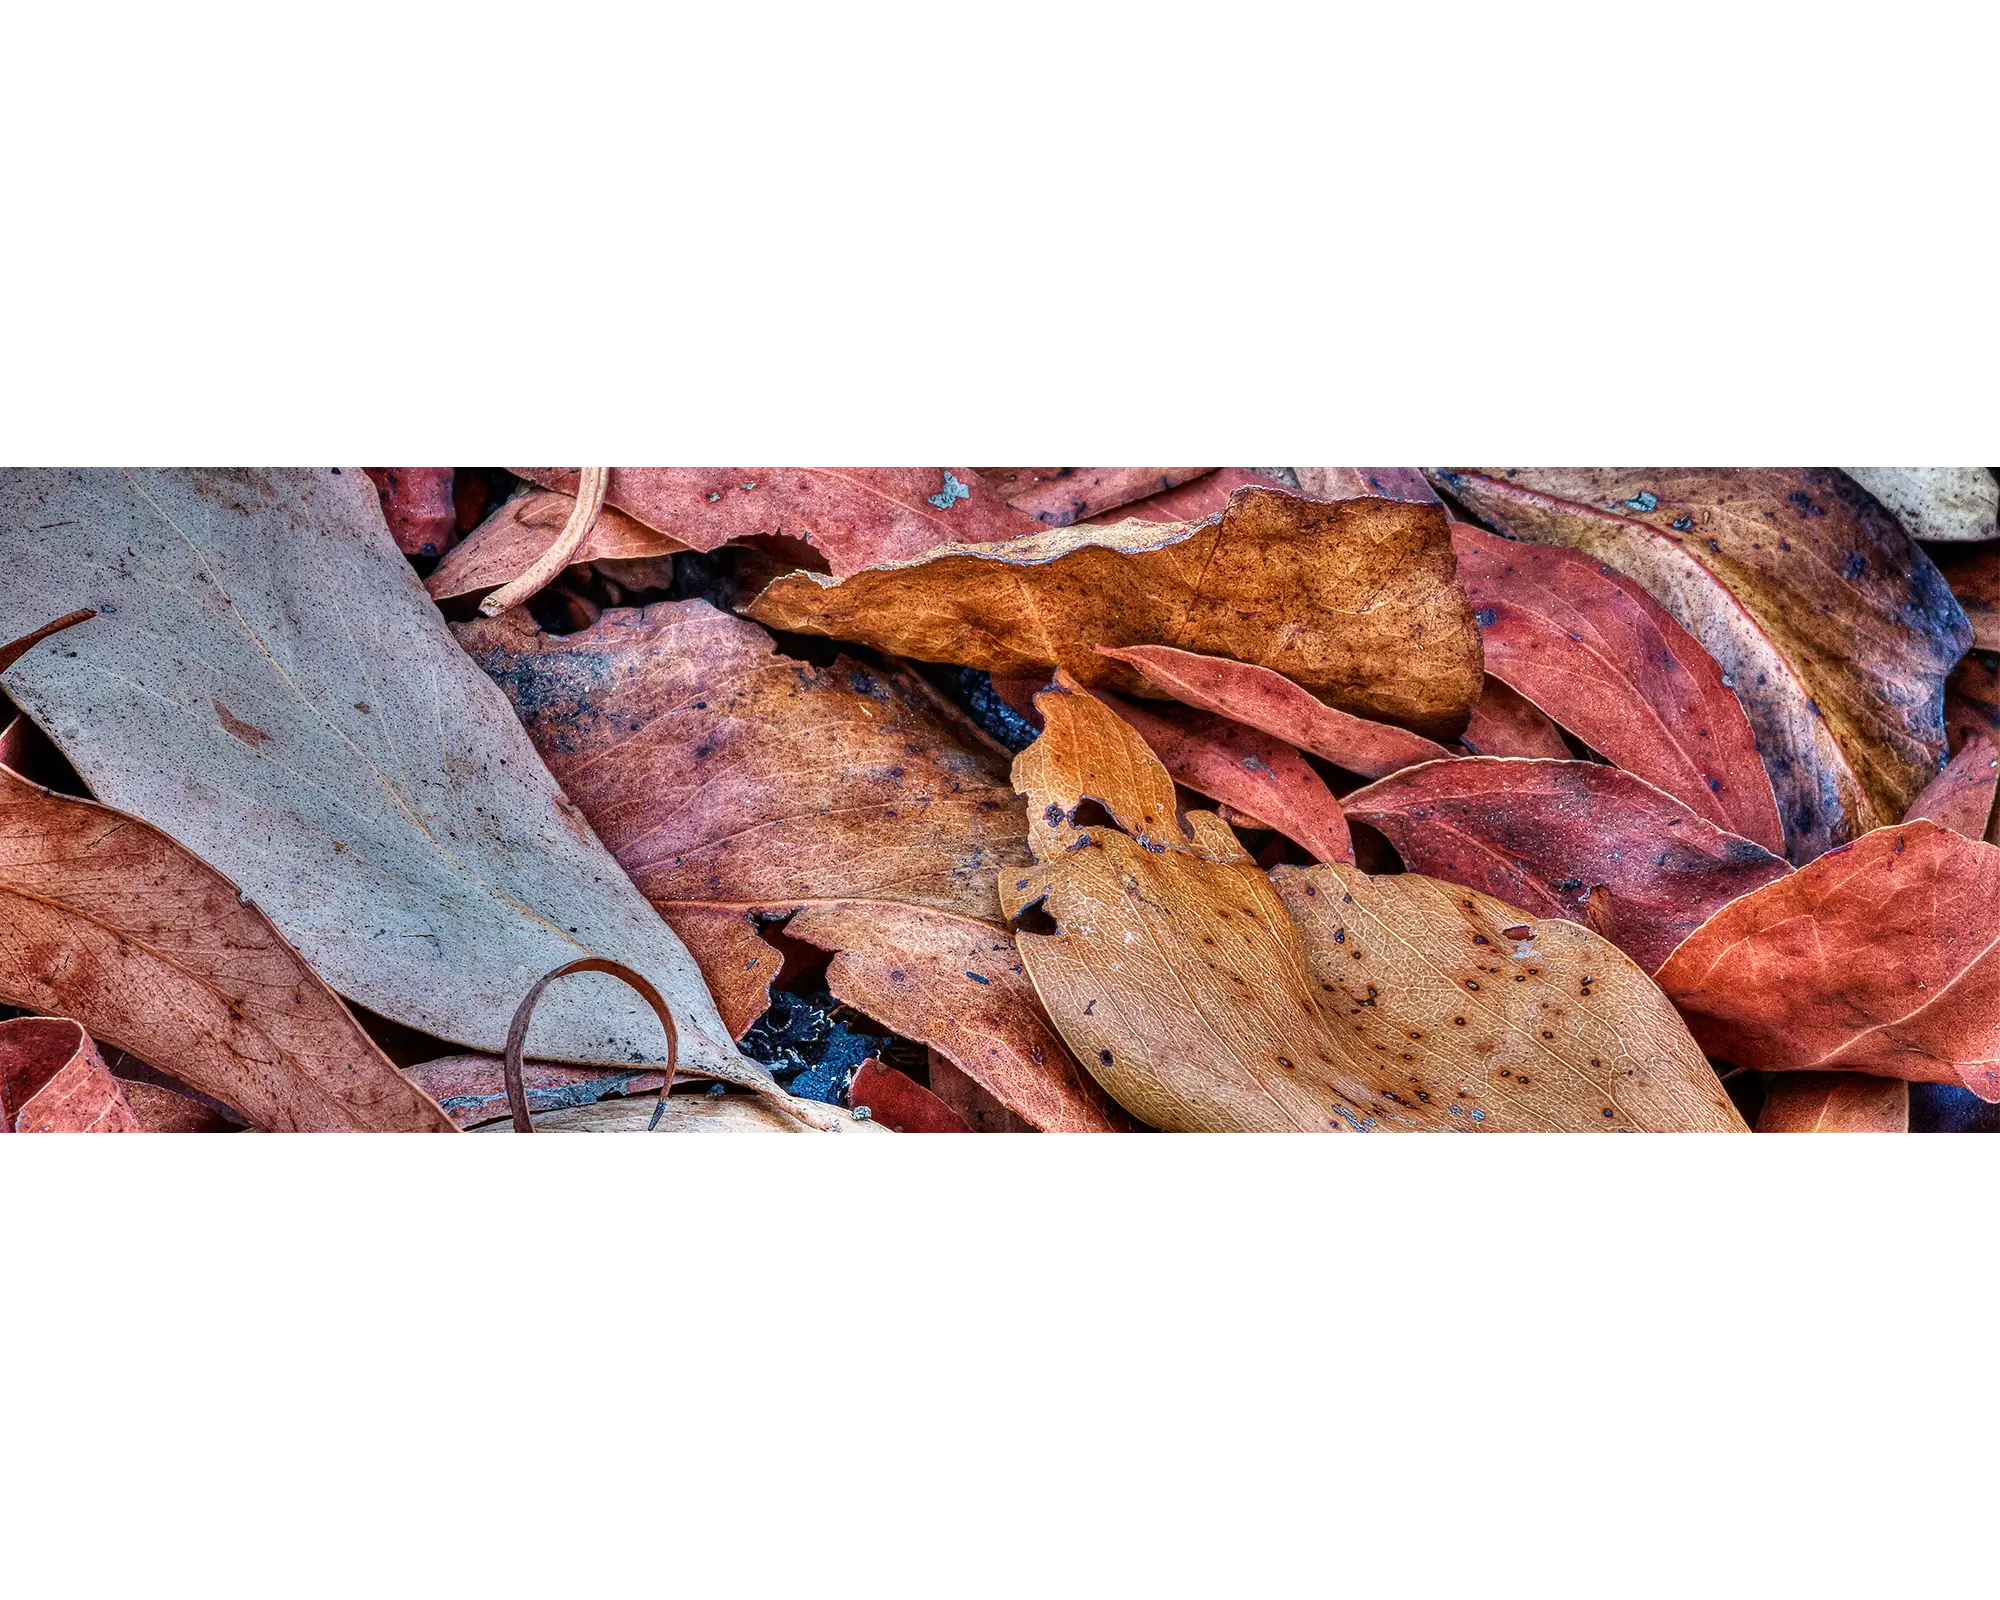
(1950, 503)
(1352, 483)
(1832, 627)
(52, 1080)
(1835, 1102)
(1058, 496)
(1973, 571)
(472, 1089)
(105, 919)
(505, 545)
(268, 682)
(1355, 601)
(1961, 796)
(689, 1112)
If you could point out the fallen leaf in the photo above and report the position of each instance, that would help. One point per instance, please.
(1258, 777)
(1058, 496)
(1204, 996)
(1973, 572)
(1936, 502)
(899, 1103)
(1832, 627)
(506, 544)
(1355, 601)
(1506, 724)
(980, 1111)
(692, 1112)
(1260, 698)
(956, 984)
(472, 1089)
(1175, 975)
(1201, 497)
(854, 517)
(1470, 1014)
(1543, 834)
(269, 683)
(161, 1110)
(1600, 656)
(1961, 796)
(1835, 1102)
(1350, 483)
(1882, 957)
(111, 922)
(52, 1080)
(418, 507)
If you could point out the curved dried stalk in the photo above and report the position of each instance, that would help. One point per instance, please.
(11, 653)
(517, 1033)
(589, 502)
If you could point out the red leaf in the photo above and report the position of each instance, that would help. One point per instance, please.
(899, 1102)
(1354, 483)
(1961, 796)
(1504, 724)
(1543, 835)
(853, 516)
(1262, 698)
(1200, 497)
(473, 1088)
(1835, 1102)
(417, 505)
(1058, 496)
(1880, 957)
(52, 1080)
(1262, 778)
(1604, 659)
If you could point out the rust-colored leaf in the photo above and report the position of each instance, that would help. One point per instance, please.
(1201, 497)
(267, 682)
(1505, 724)
(1597, 653)
(1464, 1011)
(1058, 496)
(1973, 572)
(854, 517)
(1206, 997)
(1261, 698)
(162, 1110)
(105, 919)
(1835, 1102)
(1543, 835)
(52, 1080)
(1961, 796)
(1949, 503)
(1832, 627)
(981, 1112)
(1351, 483)
(506, 544)
(1259, 778)
(1356, 601)
(472, 1089)
(418, 507)
(1882, 957)
(899, 1103)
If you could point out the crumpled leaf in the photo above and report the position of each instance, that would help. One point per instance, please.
(1973, 572)
(1058, 496)
(1961, 796)
(1472, 1014)
(418, 507)
(854, 517)
(1355, 601)
(1506, 724)
(1882, 957)
(689, 1113)
(472, 1089)
(899, 1103)
(52, 1080)
(1832, 627)
(1547, 835)
(268, 682)
(105, 919)
(956, 984)
(1260, 698)
(506, 544)
(1259, 778)
(1599, 655)
(1204, 997)
(1835, 1102)
(1936, 502)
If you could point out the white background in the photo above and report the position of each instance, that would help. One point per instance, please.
(1724, 233)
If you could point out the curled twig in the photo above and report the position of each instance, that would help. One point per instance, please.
(589, 502)
(517, 1033)
(11, 653)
